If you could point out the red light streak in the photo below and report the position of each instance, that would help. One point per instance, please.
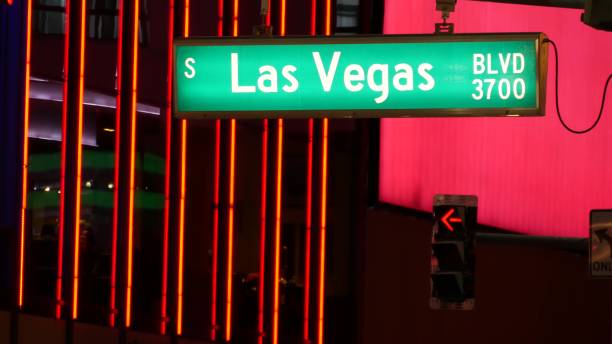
(268, 14)
(262, 230)
(307, 249)
(113, 276)
(313, 17)
(215, 248)
(308, 229)
(77, 207)
(220, 18)
(179, 308)
(24, 168)
(215, 257)
(230, 232)
(60, 234)
(168, 119)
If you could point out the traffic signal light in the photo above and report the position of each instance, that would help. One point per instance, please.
(8, 2)
(452, 252)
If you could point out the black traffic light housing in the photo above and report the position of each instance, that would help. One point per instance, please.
(452, 252)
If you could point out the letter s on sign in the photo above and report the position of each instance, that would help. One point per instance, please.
(189, 62)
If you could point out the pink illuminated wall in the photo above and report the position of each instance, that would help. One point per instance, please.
(530, 175)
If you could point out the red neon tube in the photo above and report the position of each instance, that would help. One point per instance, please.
(179, 311)
(313, 32)
(308, 230)
(113, 276)
(77, 206)
(215, 257)
(168, 119)
(60, 234)
(24, 167)
(215, 248)
(262, 230)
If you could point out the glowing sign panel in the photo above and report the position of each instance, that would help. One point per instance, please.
(384, 76)
(601, 243)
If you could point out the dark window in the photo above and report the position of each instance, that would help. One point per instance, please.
(50, 17)
(347, 17)
(102, 20)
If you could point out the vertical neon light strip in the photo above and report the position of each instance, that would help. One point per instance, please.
(262, 231)
(179, 304)
(168, 120)
(262, 225)
(24, 167)
(308, 230)
(313, 32)
(77, 206)
(230, 230)
(230, 220)
(215, 248)
(321, 309)
(277, 224)
(277, 228)
(323, 227)
(215, 257)
(132, 189)
(60, 234)
(113, 276)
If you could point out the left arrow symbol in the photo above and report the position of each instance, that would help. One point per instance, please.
(447, 218)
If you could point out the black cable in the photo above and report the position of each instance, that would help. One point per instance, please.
(603, 100)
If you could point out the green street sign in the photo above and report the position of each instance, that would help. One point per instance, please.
(377, 76)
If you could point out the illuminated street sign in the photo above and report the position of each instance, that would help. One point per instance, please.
(381, 76)
(600, 253)
(452, 252)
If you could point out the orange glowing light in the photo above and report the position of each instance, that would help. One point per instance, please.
(24, 167)
(323, 228)
(77, 206)
(230, 226)
(283, 17)
(277, 228)
(230, 232)
(179, 316)
(235, 18)
(130, 243)
(179, 304)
